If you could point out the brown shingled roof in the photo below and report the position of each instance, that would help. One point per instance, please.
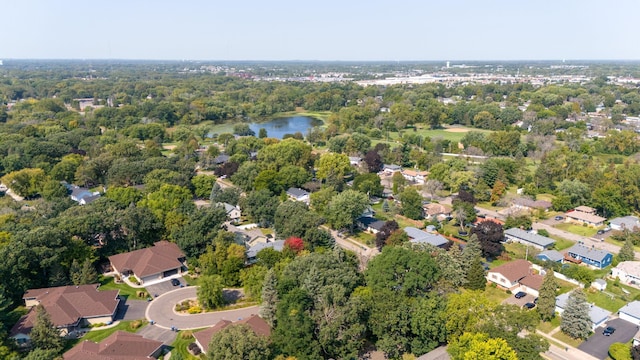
(68, 304)
(533, 281)
(163, 256)
(120, 345)
(514, 270)
(256, 323)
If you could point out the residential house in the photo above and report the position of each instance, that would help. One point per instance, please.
(120, 345)
(417, 236)
(531, 284)
(390, 169)
(591, 256)
(354, 160)
(597, 315)
(527, 238)
(151, 265)
(599, 284)
(508, 276)
(370, 224)
(628, 272)
(585, 215)
(81, 195)
(631, 312)
(221, 159)
(530, 205)
(630, 223)
(551, 255)
(436, 211)
(70, 308)
(253, 251)
(256, 323)
(418, 177)
(233, 212)
(298, 194)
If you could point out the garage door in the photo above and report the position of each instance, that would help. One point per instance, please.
(170, 273)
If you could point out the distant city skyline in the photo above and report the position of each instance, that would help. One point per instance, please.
(331, 30)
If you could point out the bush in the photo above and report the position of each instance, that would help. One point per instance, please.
(135, 324)
(133, 280)
(620, 351)
(142, 294)
(194, 310)
(186, 334)
(96, 325)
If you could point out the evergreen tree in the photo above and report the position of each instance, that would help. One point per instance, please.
(471, 252)
(269, 298)
(44, 334)
(575, 318)
(475, 276)
(75, 273)
(450, 264)
(547, 296)
(626, 252)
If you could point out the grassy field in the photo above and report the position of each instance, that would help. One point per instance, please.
(179, 346)
(107, 283)
(577, 229)
(561, 243)
(567, 339)
(547, 326)
(613, 298)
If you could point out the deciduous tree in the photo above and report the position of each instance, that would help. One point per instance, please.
(491, 235)
(210, 294)
(411, 203)
(238, 342)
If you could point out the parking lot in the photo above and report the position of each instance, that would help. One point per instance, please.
(158, 289)
(597, 344)
(519, 302)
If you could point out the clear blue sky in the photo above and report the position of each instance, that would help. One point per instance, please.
(320, 30)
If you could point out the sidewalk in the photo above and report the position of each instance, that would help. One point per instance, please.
(569, 351)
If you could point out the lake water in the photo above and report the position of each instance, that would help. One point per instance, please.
(277, 128)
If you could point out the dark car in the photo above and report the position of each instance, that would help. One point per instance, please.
(609, 331)
(600, 232)
(558, 218)
(520, 294)
(529, 305)
(175, 282)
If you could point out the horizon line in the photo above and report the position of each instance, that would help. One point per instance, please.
(316, 60)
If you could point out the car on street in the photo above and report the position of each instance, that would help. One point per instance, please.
(558, 218)
(608, 331)
(175, 282)
(520, 294)
(529, 305)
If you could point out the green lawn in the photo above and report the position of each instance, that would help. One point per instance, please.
(613, 298)
(567, 339)
(577, 229)
(564, 286)
(131, 326)
(179, 346)
(107, 283)
(520, 251)
(496, 295)
(561, 243)
(547, 326)
(365, 238)
(191, 281)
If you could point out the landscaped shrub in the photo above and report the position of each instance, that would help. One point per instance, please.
(194, 310)
(194, 349)
(186, 334)
(620, 351)
(135, 324)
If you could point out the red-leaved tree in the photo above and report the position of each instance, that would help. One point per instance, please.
(294, 243)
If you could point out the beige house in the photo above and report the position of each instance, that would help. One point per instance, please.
(70, 308)
(585, 215)
(436, 211)
(150, 265)
(418, 177)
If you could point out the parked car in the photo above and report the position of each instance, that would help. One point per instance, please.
(609, 331)
(520, 294)
(600, 232)
(558, 218)
(529, 305)
(175, 282)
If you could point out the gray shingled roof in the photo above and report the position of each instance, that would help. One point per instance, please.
(552, 255)
(597, 314)
(627, 222)
(277, 245)
(530, 237)
(297, 192)
(418, 236)
(587, 252)
(632, 308)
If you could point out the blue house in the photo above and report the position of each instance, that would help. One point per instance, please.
(550, 255)
(597, 258)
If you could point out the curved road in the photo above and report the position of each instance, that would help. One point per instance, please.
(161, 310)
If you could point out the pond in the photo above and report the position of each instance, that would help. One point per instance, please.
(277, 128)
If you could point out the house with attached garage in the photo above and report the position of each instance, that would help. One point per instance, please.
(630, 223)
(370, 224)
(527, 238)
(628, 272)
(70, 308)
(579, 253)
(597, 315)
(516, 276)
(585, 215)
(164, 260)
(631, 312)
(120, 345)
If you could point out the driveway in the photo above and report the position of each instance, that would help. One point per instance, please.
(597, 344)
(519, 302)
(163, 287)
(159, 334)
(131, 309)
(162, 311)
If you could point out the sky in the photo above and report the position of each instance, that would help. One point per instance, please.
(344, 30)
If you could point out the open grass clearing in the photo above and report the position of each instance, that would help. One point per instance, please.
(547, 326)
(567, 339)
(577, 229)
(561, 243)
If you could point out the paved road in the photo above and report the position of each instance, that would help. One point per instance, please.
(568, 353)
(598, 345)
(161, 310)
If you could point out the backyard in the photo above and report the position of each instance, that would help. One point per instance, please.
(614, 297)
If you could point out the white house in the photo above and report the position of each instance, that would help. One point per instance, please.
(625, 223)
(597, 314)
(628, 272)
(415, 176)
(508, 276)
(631, 312)
(390, 169)
(524, 237)
(298, 194)
(233, 212)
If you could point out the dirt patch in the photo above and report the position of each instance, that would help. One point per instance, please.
(457, 130)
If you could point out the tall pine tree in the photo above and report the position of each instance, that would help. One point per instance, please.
(547, 296)
(575, 318)
(626, 252)
(475, 276)
(44, 334)
(269, 298)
